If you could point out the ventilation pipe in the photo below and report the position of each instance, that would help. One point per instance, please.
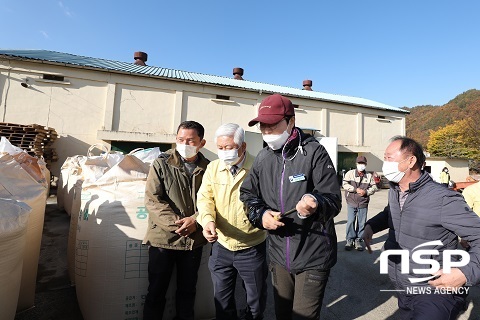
(238, 73)
(307, 85)
(140, 58)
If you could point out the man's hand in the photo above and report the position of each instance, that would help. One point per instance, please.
(367, 237)
(270, 220)
(210, 232)
(186, 225)
(361, 192)
(454, 279)
(307, 205)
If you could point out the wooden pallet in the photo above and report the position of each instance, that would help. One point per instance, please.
(36, 139)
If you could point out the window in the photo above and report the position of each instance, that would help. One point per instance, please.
(53, 77)
(220, 97)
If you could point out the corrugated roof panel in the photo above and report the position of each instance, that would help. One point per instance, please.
(66, 58)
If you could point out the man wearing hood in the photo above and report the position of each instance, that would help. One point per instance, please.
(293, 192)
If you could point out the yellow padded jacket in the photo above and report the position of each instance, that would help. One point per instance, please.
(218, 200)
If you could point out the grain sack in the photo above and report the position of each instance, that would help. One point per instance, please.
(70, 172)
(13, 228)
(17, 184)
(89, 170)
(72, 231)
(110, 261)
(147, 155)
(92, 168)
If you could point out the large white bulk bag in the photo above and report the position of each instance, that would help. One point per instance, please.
(110, 261)
(16, 183)
(147, 155)
(7, 147)
(88, 171)
(72, 231)
(13, 228)
(70, 172)
(92, 168)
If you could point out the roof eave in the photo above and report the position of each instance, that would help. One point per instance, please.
(72, 65)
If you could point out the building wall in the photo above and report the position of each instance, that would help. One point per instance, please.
(458, 168)
(97, 107)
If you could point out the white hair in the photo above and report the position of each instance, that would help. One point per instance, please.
(231, 130)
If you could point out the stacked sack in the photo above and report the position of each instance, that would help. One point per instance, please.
(13, 228)
(25, 178)
(110, 261)
(76, 171)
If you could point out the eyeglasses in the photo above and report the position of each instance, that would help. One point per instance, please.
(263, 126)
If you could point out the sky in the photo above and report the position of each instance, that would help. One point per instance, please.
(401, 53)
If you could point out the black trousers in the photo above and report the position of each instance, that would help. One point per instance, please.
(430, 306)
(298, 296)
(251, 265)
(160, 268)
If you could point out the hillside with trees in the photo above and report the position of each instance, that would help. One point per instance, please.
(451, 130)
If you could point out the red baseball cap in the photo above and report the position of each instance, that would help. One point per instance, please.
(273, 109)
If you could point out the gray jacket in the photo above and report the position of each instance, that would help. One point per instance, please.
(430, 212)
(363, 180)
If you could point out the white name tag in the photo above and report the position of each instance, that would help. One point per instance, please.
(297, 177)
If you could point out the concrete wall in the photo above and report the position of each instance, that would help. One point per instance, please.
(458, 168)
(92, 106)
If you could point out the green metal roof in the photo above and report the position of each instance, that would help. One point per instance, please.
(68, 59)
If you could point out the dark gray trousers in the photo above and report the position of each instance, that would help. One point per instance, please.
(251, 265)
(430, 306)
(160, 268)
(298, 296)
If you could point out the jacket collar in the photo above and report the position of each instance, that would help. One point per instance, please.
(297, 138)
(247, 164)
(415, 185)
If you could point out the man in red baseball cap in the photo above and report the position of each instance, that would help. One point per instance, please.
(292, 191)
(273, 109)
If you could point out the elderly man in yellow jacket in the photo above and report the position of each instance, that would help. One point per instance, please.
(238, 247)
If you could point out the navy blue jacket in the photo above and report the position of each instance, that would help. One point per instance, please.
(431, 212)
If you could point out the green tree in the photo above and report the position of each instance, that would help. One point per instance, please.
(458, 140)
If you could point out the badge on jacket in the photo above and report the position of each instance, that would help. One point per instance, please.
(297, 177)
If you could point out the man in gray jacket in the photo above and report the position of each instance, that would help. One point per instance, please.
(359, 185)
(422, 215)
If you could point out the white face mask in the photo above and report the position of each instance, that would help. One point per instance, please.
(228, 156)
(391, 172)
(361, 166)
(276, 141)
(187, 151)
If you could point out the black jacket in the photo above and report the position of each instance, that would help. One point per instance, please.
(278, 184)
(430, 212)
